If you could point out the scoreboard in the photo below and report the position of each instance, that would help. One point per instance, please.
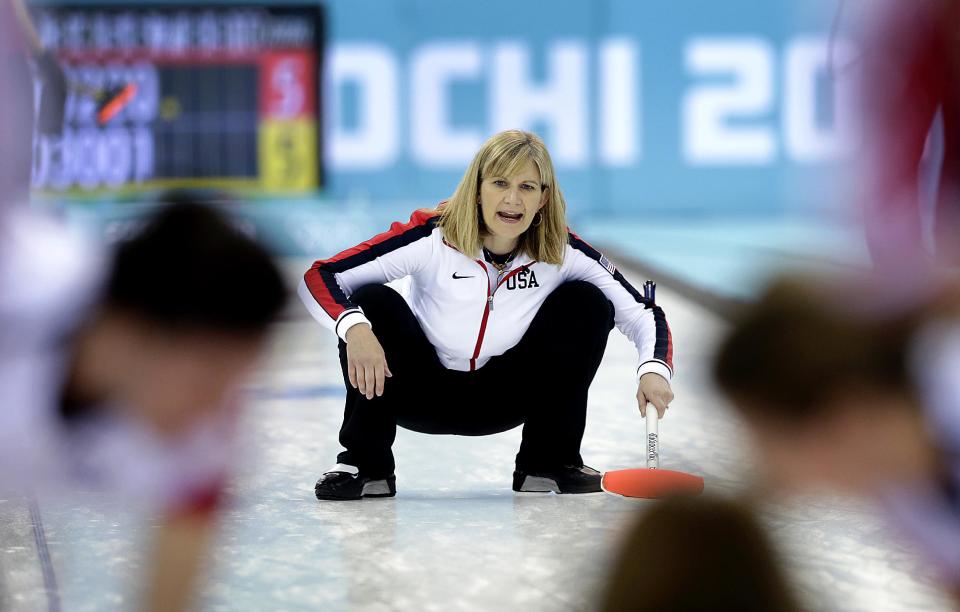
(226, 97)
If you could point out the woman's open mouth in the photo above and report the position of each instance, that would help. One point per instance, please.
(508, 217)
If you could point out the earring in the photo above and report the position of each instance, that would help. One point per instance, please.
(537, 219)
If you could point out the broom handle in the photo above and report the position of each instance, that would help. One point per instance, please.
(653, 440)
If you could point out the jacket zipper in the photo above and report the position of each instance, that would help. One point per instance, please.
(487, 308)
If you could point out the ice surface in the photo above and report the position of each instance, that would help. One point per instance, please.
(456, 537)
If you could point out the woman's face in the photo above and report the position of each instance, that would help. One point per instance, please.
(509, 203)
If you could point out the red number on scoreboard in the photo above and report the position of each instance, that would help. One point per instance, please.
(288, 85)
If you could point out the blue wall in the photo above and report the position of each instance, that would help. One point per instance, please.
(688, 109)
(755, 70)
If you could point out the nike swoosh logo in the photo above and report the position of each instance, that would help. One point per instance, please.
(459, 277)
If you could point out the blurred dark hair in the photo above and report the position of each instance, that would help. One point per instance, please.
(698, 554)
(191, 269)
(797, 347)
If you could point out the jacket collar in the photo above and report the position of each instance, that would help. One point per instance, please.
(522, 259)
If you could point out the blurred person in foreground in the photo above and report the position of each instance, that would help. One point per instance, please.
(845, 387)
(697, 554)
(120, 375)
(910, 67)
(505, 324)
(25, 63)
(16, 108)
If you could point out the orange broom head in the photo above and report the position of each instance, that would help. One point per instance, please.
(651, 483)
(114, 101)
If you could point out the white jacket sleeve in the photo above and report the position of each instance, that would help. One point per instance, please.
(401, 251)
(636, 317)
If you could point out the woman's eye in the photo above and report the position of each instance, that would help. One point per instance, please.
(500, 183)
(528, 187)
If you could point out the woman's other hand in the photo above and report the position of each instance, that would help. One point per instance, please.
(367, 366)
(656, 390)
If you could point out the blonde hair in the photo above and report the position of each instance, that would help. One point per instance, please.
(502, 155)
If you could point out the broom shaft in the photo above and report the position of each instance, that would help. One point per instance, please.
(653, 438)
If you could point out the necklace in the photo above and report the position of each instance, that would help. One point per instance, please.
(499, 262)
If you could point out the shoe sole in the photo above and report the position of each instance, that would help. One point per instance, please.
(378, 488)
(373, 488)
(538, 484)
(541, 484)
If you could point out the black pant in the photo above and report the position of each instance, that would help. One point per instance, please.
(541, 382)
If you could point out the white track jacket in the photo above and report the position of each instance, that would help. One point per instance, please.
(467, 313)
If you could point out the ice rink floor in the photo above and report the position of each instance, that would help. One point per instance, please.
(455, 537)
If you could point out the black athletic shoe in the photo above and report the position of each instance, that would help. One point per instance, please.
(344, 485)
(569, 479)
